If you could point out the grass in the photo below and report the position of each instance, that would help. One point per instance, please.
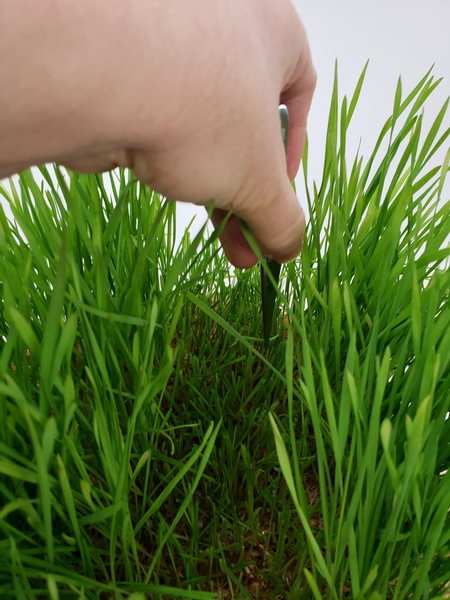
(150, 447)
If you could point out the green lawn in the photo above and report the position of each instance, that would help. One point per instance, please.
(151, 447)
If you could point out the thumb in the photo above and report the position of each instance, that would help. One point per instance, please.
(277, 224)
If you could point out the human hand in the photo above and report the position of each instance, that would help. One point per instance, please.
(185, 94)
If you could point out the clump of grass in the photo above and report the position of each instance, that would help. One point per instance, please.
(136, 455)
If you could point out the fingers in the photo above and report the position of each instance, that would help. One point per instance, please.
(225, 143)
(100, 162)
(90, 164)
(236, 248)
(278, 225)
(297, 95)
(298, 113)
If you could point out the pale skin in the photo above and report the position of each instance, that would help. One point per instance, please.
(184, 93)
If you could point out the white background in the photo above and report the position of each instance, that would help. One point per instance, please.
(399, 37)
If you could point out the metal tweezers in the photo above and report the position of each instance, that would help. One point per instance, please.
(268, 290)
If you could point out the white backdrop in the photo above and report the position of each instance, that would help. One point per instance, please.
(399, 37)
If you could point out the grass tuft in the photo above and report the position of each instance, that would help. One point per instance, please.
(151, 447)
